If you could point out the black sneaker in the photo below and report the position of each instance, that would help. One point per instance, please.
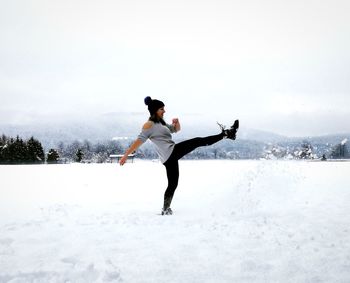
(230, 133)
(167, 211)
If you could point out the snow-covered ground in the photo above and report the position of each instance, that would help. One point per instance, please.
(234, 221)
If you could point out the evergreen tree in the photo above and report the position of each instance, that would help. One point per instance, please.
(52, 156)
(3, 148)
(18, 151)
(79, 155)
(305, 151)
(35, 151)
(6, 149)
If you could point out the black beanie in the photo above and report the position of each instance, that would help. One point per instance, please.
(153, 104)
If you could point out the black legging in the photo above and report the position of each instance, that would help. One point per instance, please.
(172, 164)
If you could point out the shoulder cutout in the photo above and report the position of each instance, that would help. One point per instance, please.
(147, 125)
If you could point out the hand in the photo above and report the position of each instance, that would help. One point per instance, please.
(176, 124)
(123, 160)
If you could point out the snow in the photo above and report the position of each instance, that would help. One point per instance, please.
(234, 221)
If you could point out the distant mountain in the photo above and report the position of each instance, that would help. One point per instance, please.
(92, 128)
(118, 124)
(331, 139)
(263, 136)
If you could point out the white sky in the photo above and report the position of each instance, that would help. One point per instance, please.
(281, 66)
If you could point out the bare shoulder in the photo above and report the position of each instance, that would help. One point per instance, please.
(147, 125)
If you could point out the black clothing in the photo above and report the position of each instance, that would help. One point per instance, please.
(172, 164)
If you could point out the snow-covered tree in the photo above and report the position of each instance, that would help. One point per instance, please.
(52, 156)
(17, 151)
(35, 151)
(79, 155)
(305, 152)
(274, 151)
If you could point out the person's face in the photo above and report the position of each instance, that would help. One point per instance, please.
(160, 112)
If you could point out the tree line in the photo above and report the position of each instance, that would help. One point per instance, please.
(85, 151)
(20, 151)
(306, 150)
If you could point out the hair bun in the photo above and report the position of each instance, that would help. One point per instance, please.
(148, 100)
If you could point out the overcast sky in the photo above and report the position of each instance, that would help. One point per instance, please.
(281, 66)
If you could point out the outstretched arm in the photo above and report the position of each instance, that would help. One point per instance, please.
(136, 144)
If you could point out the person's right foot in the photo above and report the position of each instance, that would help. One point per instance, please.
(167, 211)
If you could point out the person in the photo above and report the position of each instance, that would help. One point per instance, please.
(169, 152)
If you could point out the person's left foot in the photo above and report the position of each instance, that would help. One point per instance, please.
(167, 211)
(230, 133)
